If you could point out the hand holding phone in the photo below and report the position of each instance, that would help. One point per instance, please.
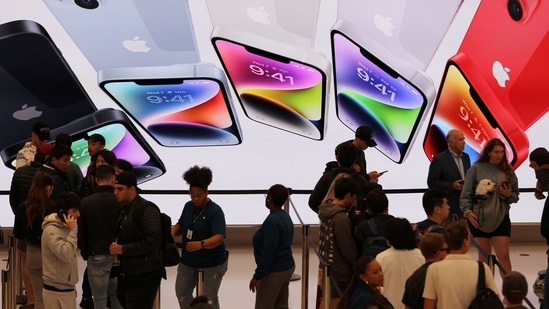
(69, 221)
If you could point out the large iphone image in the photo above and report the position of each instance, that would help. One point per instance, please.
(472, 109)
(517, 33)
(411, 29)
(128, 33)
(36, 83)
(370, 93)
(179, 106)
(276, 90)
(121, 137)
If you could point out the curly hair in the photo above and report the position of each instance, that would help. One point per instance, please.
(200, 177)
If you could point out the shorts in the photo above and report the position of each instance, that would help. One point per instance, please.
(504, 229)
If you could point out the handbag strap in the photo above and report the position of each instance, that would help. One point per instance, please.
(481, 283)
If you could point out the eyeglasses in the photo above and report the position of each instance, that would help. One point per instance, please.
(443, 249)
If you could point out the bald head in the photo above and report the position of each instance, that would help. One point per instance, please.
(456, 141)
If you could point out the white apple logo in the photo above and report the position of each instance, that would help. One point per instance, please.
(384, 24)
(259, 15)
(27, 113)
(500, 73)
(136, 45)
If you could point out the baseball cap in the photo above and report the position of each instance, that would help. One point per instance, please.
(514, 285)
(96, 138)
(127, 179)
(367, 135)
(42, 130)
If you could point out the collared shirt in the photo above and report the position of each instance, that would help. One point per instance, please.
(459, 163)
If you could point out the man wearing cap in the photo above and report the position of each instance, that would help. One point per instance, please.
(139, 245)
(514, 290)
(96, 143)
(364, 138)
(39, 135)
(447, 171)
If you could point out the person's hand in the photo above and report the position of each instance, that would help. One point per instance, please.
(356, 167)
(472, 218)
(70, 222)
(193, 246)
(458, 185)
(539, 194)
(115, 248)
(374, 176)
(253, 284)
(505, 190)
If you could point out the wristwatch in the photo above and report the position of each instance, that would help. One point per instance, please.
(203, 243)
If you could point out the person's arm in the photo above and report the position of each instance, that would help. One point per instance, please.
(177, 231)
(63, 248)
(429, 303)
(344, 238)
(320, 190)
(218, 230)
(270, 244)
(435, 179)
(82, 234)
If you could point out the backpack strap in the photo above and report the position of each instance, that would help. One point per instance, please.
(481, 284)
(372, 226)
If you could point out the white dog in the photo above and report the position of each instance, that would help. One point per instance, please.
(485, 186)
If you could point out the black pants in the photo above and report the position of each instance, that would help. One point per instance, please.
(138, 291)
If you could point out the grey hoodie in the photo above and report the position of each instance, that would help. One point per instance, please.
(59, 249)
(337, 244)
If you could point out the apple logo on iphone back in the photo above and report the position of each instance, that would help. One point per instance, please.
(26, 113)
(136, 45)
(258, 15)
(500, 73)
(384, 24)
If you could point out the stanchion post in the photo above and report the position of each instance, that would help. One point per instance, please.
(10, 289)
(199, 282)
(326, 288)
(5, 289)
(491, 262)
(305, 230)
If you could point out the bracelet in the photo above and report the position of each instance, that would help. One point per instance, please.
(203, 243)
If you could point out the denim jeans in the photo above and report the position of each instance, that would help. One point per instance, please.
(186, 282)
(99, 271)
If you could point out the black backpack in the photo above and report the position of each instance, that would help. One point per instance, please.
(170, 252)
(375, 243)
(485, 298)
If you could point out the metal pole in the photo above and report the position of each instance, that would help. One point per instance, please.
(5, 289)
(10, 289)
(199, 282)
(305, 229)
(326, 288)
(20, 298)
(491, 262)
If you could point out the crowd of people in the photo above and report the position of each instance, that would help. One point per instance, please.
(375, 259)
(395, 264)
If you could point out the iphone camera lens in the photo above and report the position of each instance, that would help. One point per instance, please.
(515, 9)
(87, 4)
